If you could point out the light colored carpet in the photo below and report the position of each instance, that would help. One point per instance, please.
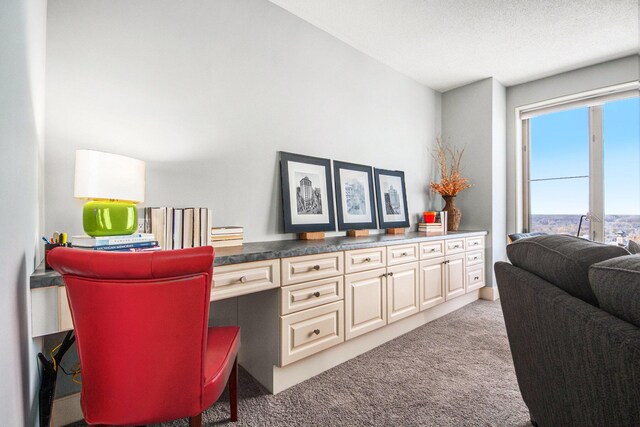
(454, 371)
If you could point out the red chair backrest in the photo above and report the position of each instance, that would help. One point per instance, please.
(140, 322)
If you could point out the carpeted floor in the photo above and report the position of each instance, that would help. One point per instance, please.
(454, 371)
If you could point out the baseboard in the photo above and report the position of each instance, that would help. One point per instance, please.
(489, 293)
(66, 410)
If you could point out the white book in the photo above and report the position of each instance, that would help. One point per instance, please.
(158, 225)
(196, 227)
(187, 228)
(177, 228)
(89, 242)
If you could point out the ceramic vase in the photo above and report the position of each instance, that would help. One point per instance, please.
(453, 213)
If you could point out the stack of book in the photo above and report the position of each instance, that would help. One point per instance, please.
(138, 242)
(177, 228)
(438, 226)
(222, 237)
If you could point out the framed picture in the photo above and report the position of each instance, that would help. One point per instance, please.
(392, 199)
(307, 194)
(354, 196)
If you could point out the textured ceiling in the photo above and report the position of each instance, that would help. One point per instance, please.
(448, 43)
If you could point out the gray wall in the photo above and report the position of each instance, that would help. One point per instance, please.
(22, 54)
(207, 93)
(473, 119)
(572, 82)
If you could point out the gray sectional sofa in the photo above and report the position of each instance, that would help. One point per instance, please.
(572, 312)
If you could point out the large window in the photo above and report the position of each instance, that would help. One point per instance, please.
(582, 168)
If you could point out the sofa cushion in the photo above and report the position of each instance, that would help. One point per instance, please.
(562, 260)
(616, 284)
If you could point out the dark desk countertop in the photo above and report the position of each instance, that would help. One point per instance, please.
(259, 251)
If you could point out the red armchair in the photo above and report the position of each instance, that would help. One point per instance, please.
(146, 352)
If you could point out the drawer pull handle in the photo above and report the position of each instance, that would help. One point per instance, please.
(475, 243)
(367, 259)
(316, 267)
(475, 257)
(445, 262)
(316, 331)
(390, 273)
(403, 254)
(316, 294)
(433, 249)
(476, 278)
(456, 246)
(243, 279)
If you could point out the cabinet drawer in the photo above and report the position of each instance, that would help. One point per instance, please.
(365, 259)
(310, 331)
(312, 294)
(475, 243)
(311, 267)
(240, 279)
(430, 250)
(454, 246)
(475, 257)
(475, 277)
(401, 254)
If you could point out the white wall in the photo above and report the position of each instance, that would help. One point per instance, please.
(572, 82)
(207, 93)
(473, 119)
(499, 176)
(22, 55)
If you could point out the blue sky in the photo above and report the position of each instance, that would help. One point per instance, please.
(560, 148)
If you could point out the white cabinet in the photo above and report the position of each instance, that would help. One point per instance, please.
(432, 279)
(241, 279)
(403, 292)
(311, 267)
(310, 331)
(402, 254)
(455, 276)
(365, 259)
(365, 302)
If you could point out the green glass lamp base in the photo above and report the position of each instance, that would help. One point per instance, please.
(109, 218)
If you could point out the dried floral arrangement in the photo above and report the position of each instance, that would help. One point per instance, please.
(448, 159)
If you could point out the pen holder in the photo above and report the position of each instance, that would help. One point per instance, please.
(47, 248)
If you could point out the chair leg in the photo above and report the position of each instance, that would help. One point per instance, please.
(195, 421)
(233, 391)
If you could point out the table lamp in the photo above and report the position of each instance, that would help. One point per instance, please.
(112, 184)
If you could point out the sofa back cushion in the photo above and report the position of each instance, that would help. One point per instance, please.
(616, 284)
(562, 260)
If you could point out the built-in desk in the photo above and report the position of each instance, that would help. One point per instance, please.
(306, 306)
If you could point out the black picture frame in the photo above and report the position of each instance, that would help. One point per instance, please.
(315, 212)
(383, 178)
(347, 220)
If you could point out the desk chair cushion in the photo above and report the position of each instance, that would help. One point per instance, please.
(223, 344)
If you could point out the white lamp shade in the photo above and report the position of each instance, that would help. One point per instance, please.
(102, 175)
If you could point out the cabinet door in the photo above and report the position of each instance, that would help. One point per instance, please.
(403, 292)
(432, 278)
(455, 276)
(365, 302)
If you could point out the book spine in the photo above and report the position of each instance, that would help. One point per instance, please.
(127, 246)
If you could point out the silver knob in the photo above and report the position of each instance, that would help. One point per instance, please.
(391, 273)
(316, 267)
(316, 294)
(243, 279)
(316, 331)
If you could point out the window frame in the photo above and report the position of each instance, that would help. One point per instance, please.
(593, 100)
